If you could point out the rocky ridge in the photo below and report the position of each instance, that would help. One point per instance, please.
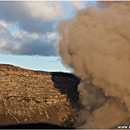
(28, 96)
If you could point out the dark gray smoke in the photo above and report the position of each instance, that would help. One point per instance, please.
(96, 44)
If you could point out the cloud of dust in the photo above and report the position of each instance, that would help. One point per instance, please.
(96, 43)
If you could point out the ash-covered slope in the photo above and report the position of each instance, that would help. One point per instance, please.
(28, 96)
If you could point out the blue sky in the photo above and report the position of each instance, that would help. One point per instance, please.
(27, 33)
(43, 63)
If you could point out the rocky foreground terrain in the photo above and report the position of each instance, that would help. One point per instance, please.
(28, 96)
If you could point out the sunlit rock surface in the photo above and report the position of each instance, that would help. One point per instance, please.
(28, 96)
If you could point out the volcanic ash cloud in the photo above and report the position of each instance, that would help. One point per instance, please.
(96, 44)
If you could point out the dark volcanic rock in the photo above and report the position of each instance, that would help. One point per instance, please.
(28, 96)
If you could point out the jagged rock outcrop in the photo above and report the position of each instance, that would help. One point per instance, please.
(28, 96)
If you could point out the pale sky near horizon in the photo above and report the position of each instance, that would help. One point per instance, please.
(27, 33)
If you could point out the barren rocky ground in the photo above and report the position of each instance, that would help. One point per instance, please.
(28, 96)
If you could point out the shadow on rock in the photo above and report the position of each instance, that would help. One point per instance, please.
(33, 126)
(67, 84)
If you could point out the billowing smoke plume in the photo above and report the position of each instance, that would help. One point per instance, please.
(96, 43)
